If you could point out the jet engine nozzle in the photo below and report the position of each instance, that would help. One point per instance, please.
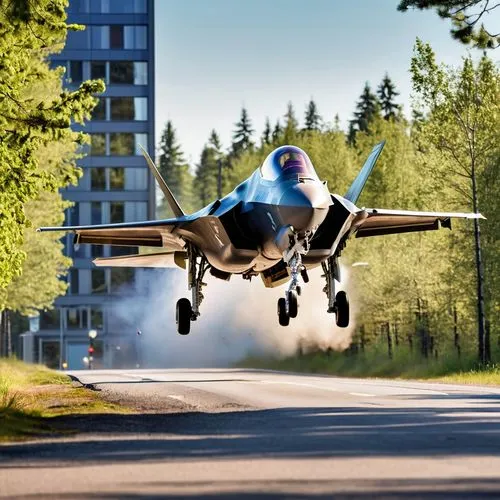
(304, 205)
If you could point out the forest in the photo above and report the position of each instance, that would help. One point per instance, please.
(419, 291)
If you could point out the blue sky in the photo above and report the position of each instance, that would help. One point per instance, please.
(215, 56)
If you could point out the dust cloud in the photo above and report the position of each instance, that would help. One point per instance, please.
(238, 318)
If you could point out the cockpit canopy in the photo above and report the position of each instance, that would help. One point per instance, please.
(287, 160)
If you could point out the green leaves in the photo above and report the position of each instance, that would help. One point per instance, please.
(36, 113)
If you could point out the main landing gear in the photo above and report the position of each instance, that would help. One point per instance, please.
(288, 307)
(337, 303)
(187, 311)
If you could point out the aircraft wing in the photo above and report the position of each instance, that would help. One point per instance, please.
(164, 259)
(381, 221)
(156, 233)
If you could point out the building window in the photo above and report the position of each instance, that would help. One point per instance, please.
(97, 144)
(140, 108)
(76, 71)
(122, 108)
(99, 112)
(121, 72)
(99, 37)
(122, 143)
(135, 37)
(140, 140)
(136, 179)
(109, 6)
(116, 36)
(73, 281)
(121, 277)
(98, 70)
(96, 212)
(97, 250)
(116, 178)
(76, 317)
(117, 212)
(98, 179)
(96, 318)
(140, 73)
(98, 281)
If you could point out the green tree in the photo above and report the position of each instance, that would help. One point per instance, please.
(463, 108)
(367, 109)
(312, 117)
(242, 136)
(29, 32)
(386, 92)
(266, 134)
(212, 161)
(291, 128)
(174, 169)
(277, 133)
(465, 16)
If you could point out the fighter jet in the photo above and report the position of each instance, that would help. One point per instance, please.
(278, 224)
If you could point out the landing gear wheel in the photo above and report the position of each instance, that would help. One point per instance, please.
(183, 316)
(284, 318)
(342, 309)
(293, 305)
(299, 290)
(305, 276)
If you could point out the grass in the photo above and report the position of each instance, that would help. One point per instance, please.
(30, 395)
(376, 363)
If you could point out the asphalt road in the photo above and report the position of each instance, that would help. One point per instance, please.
(257, 434)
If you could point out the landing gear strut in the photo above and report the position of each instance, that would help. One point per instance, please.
(288, 307)
(337, 303)
(189, 311)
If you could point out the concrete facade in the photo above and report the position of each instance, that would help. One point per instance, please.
(117, 46)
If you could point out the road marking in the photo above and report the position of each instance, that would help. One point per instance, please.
(362, 394)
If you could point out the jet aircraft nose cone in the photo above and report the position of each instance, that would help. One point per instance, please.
(304, 205)
(309, 195)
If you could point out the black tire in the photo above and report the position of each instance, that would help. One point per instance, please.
(183, 316)
(342, 309)
(293, 304)
(283, 317)
(305, 276)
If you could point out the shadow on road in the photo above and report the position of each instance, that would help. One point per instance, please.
(299, 490)
(284, 433)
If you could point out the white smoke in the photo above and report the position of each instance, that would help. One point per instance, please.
(238, 318)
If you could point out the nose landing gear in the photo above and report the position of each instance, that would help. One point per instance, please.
(288, 307)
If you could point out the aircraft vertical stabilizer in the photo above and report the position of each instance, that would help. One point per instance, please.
(360, 181)
(173, 203)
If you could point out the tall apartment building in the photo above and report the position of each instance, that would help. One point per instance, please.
(118, 47)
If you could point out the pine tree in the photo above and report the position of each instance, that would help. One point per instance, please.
(312, 117)
(277, 133)
(291, 128)
(242, 136)
(174, 169)
(367, 109)
(206, 176)
(386, 92)
(171, 158)
(214, 141)
(266, 134)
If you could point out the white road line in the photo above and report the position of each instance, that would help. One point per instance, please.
(363, 394)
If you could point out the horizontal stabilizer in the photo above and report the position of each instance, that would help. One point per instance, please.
(165, 259)
(360, 181)
(172, 202)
